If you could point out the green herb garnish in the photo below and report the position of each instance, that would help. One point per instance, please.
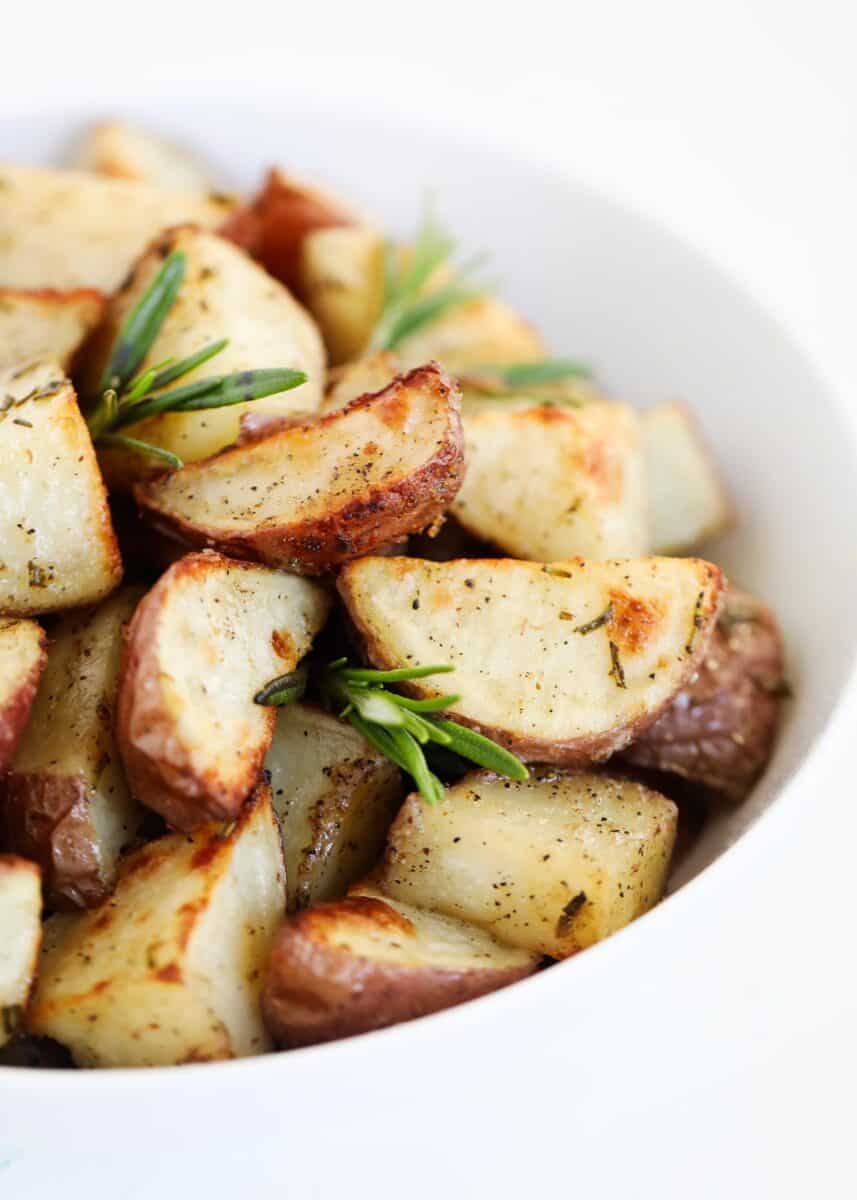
(408, 307)
(515, 377)
(396, 725)
(127, 397)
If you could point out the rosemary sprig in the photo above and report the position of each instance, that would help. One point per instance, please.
(516, 377)
(408, 306)
(127, 397)
(396, 725)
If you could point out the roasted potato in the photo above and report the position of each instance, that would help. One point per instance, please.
(545, 483)
(688, 502)
(170, 969)
(123, 151)
(45, 324)
(369, 961)
(329, 254)
(359, 378)
(203, 641)
(562, 662)
(20, 938)
(22, 660)
(484, 330)
(69, 229)
(65, 802)
(225, 294)
(719, 731)
(335, 796)
(357, 479)
(552, 864)
(58, 545)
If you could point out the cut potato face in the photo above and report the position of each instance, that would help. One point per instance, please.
(341, 281)
(69, 229)
(360, 378)
(203, 641)
(123, 151)
(562, 662)
(484, 330)
(22, 660)
(65, 801)
(169, 970)
(551, 865)
(316, 495)
(688, 502)
(45, 324)
(58, 545)
(546, 483)
(335, 795)
(720, 729)
(370, 961)
(20, 938)
(224, 294)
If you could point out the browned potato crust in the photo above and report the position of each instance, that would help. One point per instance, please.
(365, 962)
(20, 938)
(357, 479)
(203, 641)
(44, 323)
(720, 729)
(23, 654)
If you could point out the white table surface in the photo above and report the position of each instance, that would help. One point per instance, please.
(734, 124)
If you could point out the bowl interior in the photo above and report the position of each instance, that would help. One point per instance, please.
(655, 319)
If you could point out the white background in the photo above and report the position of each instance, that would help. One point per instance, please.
(734, 123)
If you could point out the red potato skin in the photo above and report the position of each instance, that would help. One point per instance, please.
(359, 528)
(15, 706)
(317, 992)
(572, 752)
(159, 770)
(272, 228)
(45, 819)
(720, 729)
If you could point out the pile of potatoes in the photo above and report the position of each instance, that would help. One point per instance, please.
(187, 875)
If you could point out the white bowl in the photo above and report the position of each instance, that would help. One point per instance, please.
(657, 321)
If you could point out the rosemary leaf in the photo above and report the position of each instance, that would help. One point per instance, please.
(285, 689)
(140, 447)
(184, 366)
(482, 751)
(398, 675)
(435, 704)
(516, 376)
(411, 753)
(141, 326)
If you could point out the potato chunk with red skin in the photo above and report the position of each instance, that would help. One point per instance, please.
(365, 962)
(23, 654)
(720, 729)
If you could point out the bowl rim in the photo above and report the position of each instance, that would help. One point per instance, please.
(695, 891)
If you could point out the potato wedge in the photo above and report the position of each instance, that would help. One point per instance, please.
(369, 961)
(335, 796)
(688, 502)
(326, 251)
(224, 295)
(20, 938)
(357, 479)
(65, 802)
(484, 330)
(46, 324)
(69, 229)
(546, 483)
(720, 729)
(22, 660)
(562, 662)
(552, 864)
(360, 378)
(203, 641)
(58, 545)
(170, 969)
(123, 151)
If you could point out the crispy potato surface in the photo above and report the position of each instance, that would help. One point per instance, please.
(203, 641)
(562, 662)
(123, 151)
(369, 961)
(65, 802)
(169, 970)
(484, 330)
(58, 545)
(316, 495)
(46, 324)
(20, 938)
(551, 865)
(545, 483)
